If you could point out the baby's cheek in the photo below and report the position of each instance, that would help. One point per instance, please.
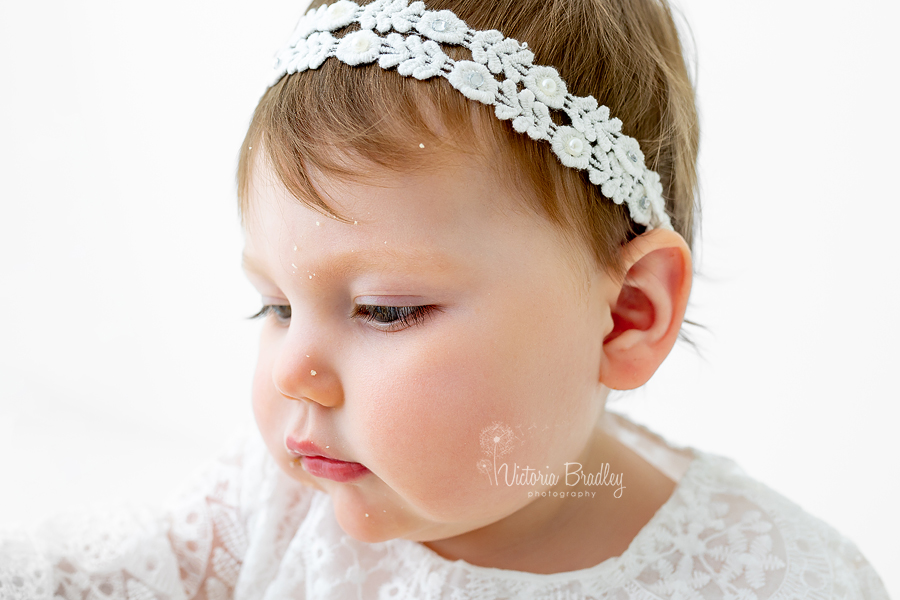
(424, 434)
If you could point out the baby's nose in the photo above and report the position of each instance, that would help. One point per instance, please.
(302, 373)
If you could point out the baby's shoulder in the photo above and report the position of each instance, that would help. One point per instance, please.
(723, 530)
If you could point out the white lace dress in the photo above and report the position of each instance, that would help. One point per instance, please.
(249, 532)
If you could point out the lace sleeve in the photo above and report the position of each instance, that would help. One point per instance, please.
(192, 550)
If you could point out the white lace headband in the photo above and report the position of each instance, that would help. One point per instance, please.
(525, 93)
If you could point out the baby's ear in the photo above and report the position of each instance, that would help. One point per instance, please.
(649, 310)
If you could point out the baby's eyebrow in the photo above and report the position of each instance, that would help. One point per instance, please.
(348, 263)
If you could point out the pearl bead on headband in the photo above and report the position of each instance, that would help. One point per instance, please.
(500, 74)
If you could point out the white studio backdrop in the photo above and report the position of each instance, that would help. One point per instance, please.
(125, 358)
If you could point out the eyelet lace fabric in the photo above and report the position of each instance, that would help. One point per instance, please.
(247, 531)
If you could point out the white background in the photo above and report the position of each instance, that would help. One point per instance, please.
(125, 361)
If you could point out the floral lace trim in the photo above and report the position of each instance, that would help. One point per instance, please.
(194, 552)
(524, 94)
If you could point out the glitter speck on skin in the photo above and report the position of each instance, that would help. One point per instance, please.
(367, 514)
(317, 223)
(295, 248)
(421, 145)
(293, 265)
(313, 373)
(327, 447)
(354, 222)
(310, 276)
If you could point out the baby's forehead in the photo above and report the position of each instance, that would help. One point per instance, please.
(352, 187)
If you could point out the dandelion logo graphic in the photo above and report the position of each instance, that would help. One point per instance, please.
(497, 440)
(484, 466)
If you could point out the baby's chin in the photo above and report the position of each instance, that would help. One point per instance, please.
(369, 520)
(378, 518)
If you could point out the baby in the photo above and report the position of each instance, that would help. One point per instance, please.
(482, 214)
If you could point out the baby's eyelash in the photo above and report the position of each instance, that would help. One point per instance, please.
(282, 312)
(393, 318)
(385, 318)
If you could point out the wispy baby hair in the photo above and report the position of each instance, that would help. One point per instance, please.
(339, 120)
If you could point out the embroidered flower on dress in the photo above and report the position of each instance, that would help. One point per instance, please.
(474, 81)
(359, 47)
(393, 590)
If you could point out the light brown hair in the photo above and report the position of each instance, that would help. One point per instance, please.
(625, 53)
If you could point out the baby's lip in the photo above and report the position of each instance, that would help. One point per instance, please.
(306, 448)
(320, 464)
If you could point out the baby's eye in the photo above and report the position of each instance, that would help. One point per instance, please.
(282, 312)
(393, 318)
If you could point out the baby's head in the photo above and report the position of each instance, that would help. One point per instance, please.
(462, 296)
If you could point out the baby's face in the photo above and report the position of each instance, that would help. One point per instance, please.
(441, 311)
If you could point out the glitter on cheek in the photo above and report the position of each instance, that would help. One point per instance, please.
(313, 372)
